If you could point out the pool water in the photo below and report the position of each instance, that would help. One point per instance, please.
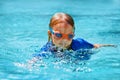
(23, 30)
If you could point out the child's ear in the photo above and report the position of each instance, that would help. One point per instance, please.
(49, 35)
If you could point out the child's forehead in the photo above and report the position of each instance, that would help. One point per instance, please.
(62, 26)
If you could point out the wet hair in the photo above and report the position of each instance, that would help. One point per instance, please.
(61, 18)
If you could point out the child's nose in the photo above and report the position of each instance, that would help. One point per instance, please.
(64, 40)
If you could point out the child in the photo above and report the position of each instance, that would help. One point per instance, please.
(61, 34)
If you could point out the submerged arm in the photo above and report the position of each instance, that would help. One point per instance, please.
(104, 45)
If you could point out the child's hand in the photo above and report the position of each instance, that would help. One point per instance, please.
(97, 45)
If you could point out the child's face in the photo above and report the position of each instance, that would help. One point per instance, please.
(67, 35)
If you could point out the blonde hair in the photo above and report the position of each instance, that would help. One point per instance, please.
(61, 18)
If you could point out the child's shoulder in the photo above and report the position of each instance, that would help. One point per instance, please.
(46, 46)
(78, 40)
(80, 43)
(42, 51)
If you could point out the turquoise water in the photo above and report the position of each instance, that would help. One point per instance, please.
(23, 29)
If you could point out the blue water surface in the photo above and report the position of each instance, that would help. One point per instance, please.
(23, 29)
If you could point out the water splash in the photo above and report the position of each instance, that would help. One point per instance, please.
(68, 61)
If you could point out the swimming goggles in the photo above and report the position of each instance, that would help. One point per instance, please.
(59, 35)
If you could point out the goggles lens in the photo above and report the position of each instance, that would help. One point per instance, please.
(59, 35)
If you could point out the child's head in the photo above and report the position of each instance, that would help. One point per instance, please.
(61, 30)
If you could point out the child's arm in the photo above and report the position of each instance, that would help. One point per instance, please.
(104, 45)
